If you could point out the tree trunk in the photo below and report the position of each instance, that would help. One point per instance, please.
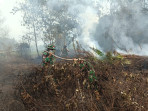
(36, 44)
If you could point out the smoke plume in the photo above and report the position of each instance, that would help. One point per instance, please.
(108, 25)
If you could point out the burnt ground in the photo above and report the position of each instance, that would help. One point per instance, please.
(65, 87)
(121, 85)
(10, 68)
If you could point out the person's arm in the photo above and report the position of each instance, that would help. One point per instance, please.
(50, 54)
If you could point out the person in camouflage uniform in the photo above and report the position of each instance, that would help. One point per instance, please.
(47, 56)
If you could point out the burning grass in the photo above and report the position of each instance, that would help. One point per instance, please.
(66, 87)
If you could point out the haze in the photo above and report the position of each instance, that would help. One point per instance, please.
(12, 22)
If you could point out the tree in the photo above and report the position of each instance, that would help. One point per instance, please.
(53, 24)
(30, 20)
(23, 50)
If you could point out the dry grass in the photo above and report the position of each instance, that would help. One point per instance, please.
(65, 87)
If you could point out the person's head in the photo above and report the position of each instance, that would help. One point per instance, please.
(51, 47)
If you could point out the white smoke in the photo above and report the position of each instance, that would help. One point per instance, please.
(86, 14)
(124, 29)
(89, 20)
(109, 25)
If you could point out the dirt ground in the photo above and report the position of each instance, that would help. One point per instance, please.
(10, 68)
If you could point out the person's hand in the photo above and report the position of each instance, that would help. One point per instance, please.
(75, 60)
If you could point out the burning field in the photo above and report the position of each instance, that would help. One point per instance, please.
(120, 84)
(87, 38)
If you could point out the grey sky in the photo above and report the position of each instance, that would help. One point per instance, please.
(12, 22)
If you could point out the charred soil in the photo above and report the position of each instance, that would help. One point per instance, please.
(120, 86)
(10, 68)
